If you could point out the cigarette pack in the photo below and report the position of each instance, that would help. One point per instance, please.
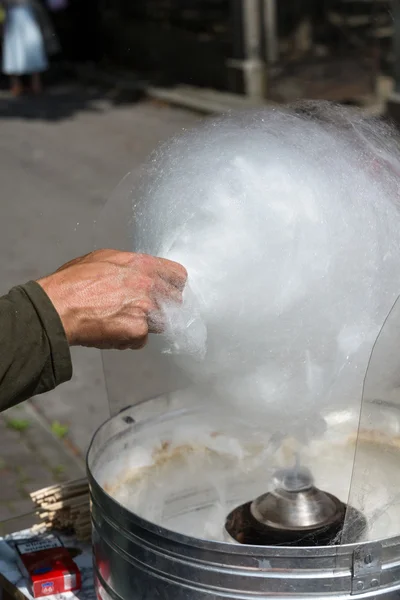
(48, 565)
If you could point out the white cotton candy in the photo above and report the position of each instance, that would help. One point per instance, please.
(287, 222)
(185, 329)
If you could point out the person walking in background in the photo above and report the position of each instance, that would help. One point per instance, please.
(24, 49)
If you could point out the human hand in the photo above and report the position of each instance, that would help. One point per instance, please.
(110, 299)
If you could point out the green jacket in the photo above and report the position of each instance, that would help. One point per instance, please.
(34, 352)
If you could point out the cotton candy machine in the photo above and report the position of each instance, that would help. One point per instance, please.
(188, 504)
(146, 550)
(269, 466)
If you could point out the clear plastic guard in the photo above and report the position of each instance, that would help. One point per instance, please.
(254, 446)
(375, 483)
(131, 376)
(113, 226)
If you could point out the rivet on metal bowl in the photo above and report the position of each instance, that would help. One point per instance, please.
(360, 585)
(374, 583)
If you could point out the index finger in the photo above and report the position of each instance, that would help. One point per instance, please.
(173, 273)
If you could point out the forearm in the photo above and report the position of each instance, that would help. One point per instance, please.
(34, 352)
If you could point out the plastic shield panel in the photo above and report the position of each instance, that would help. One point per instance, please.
(292, 269)
(375, 483)
(247, 446)
(132, 376)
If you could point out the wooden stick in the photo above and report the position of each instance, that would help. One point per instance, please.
(79, 500)
(58, 488)
(65, 506)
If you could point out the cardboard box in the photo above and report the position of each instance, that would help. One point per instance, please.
(48, 566)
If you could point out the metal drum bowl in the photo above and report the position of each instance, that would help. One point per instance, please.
(158, 519)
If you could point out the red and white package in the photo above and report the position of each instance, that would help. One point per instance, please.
(48, 566)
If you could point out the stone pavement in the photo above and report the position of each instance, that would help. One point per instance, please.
(31, 456)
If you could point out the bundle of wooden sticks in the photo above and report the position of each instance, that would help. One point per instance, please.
(65, 507)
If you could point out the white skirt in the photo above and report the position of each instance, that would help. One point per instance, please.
(23, 45)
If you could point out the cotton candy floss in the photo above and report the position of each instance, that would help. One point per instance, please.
(287, 221)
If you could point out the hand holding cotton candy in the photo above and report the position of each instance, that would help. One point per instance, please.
(287, 222)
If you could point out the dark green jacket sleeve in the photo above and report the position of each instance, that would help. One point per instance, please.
(34, 352)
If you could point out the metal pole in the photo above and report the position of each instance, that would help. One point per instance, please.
(254, 68)
(396, 45)
(246, 65)
(393, 103)
(270, 30)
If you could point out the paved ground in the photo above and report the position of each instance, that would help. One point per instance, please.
(31, 456)
(60, 157)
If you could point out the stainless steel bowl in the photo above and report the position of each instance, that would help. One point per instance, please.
(144, 552)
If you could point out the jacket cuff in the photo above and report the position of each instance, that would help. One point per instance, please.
(52, 325)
